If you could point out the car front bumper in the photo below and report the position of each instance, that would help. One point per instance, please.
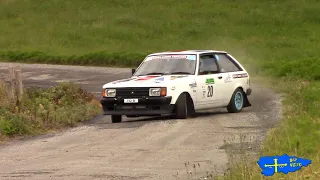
(146, 106)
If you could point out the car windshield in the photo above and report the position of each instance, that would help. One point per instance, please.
(168, 64)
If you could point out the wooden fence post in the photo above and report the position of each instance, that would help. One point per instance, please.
(14, 83)
(9, 83)
(18, 84)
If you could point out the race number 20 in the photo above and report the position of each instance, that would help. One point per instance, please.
(210, 91)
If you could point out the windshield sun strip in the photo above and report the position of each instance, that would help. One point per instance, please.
(170, 55)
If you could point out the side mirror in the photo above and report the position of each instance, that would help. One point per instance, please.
(133, 71)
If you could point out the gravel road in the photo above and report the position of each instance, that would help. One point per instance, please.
(139, 148)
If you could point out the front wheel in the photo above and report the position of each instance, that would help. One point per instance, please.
(236, 102)
(116, 118)
(184, 107)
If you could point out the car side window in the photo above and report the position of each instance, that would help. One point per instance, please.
(207, 65)
(226, 64)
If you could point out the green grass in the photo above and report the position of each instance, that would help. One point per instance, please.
(297, 134)
(276, 38)
(93, 32)
(43, 110)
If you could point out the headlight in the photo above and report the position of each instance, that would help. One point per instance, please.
(157, 91)
(110, 93)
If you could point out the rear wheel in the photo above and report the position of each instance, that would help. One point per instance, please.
(116, 118)
(236, 102)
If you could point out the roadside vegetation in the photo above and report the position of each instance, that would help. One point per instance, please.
(274, 39)
(297, 134)
(43, 110)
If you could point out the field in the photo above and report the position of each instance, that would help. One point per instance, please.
(276, 40)
(83, 32)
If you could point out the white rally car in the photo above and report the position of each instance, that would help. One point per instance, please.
(179, 84)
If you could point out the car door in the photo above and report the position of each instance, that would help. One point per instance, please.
(209, 83)
(229, 71)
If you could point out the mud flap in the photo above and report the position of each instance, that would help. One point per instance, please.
(246, 101)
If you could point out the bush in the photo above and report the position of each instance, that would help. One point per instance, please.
(11, 124)
(41, 109)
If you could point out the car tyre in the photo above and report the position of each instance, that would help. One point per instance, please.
(184, 108)
(237, 101)
(116, 118)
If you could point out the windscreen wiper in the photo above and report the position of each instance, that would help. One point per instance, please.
(153, 73)
(180, 72)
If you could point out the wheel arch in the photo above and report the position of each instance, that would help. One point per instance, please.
(188, 95)
(240, 87)
(190, 101)
(246, 102)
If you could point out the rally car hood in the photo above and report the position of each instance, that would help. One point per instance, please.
(147, 81)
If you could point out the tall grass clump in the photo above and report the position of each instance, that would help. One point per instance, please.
(40, 110)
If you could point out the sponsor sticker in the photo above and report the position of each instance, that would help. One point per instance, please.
(204, 92)
(228, 79)
(188, 57)
(145, 78)
(243, 75)
(160, 79)
(192, 57)
(176, 77)
(170, 57)
(210, 81)
(194, 84)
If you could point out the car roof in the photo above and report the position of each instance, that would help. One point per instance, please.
(187, 52)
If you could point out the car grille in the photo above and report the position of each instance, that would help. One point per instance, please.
(132, 92)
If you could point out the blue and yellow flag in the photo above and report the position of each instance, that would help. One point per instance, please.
(285, 164)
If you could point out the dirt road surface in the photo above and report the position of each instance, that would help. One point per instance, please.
(139, 148)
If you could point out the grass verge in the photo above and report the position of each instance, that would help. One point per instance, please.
(297, 134)
(41, 110)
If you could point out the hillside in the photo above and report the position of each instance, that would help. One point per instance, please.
(276, 38)
(251, 30)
